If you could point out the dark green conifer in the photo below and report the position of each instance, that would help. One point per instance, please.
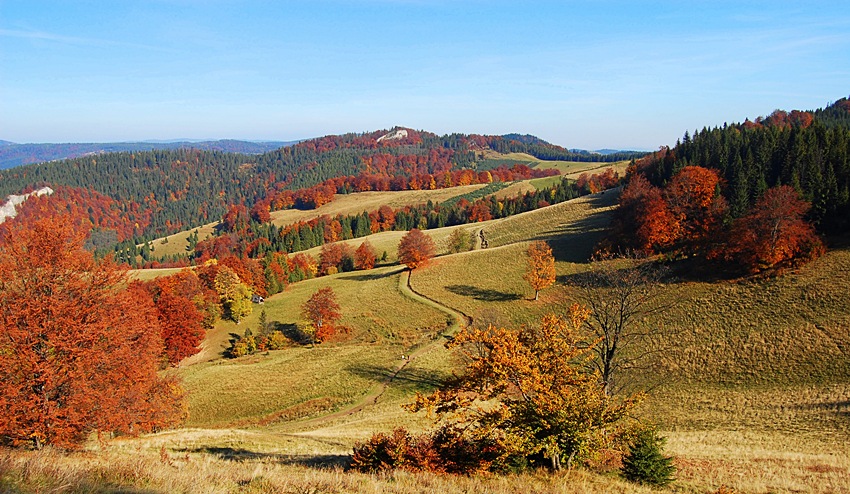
(645, 463)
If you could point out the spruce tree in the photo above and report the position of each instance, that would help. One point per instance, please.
(645, 463)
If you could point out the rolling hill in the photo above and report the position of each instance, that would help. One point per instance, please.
(13, 154)
(749, 379)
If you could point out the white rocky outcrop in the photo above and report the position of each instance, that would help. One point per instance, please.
(396, 134)
(8, 209)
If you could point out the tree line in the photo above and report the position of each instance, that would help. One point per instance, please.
(165, 191)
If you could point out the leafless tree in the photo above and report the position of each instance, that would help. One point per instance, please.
(622, 292)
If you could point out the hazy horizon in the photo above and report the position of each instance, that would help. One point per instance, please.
(580, 74)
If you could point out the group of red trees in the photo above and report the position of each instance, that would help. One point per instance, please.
(79, 349)
(689, 215)
(87, 210)
(395, 177)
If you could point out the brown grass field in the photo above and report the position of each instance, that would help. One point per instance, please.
(751, 387)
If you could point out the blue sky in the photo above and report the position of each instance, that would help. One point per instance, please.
(584, 74)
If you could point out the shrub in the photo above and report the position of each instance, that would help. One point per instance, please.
(397, 451)
(645, 463)
(447, 450)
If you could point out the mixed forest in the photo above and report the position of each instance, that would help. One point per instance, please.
(530, 358)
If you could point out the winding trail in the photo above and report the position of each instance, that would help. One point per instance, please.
(460, 320)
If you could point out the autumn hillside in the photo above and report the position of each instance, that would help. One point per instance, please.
(162, 191)
(746, 372)
(751, 387)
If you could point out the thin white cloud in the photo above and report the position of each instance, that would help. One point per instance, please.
(75, 40)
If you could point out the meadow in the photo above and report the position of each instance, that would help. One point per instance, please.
(751, 384)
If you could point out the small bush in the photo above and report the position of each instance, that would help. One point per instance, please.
(645, 463)
(446, 450)
(397, 451)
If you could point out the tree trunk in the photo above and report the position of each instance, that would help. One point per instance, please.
(556, 462)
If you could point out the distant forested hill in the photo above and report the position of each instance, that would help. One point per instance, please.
(13, 154)
(170, 190)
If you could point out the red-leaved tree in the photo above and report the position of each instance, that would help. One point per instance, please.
(365, 256)
(323, 311)
(692, 198)
(78, 350)
(416, 249)
(774, 232)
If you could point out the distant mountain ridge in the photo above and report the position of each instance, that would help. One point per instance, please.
(13, 154)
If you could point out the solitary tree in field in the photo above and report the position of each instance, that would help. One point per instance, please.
(621, 293)
(365, 256)
(540, 272)
(79, 351)
(416, 249)
(323, 311)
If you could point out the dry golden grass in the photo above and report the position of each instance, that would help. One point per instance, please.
(383, 322)
(752, 389)
(178, 243)
(232, 470)
(358, 202)
(150, 274)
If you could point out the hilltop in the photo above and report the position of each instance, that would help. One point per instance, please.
(164, 191)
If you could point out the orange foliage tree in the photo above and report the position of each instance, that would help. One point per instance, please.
(416, 249)
(78, 350)
(540, 272)
(323, 311)
(365, 256)
(181, 315)
(694, 201)
(335, 257)
(774, 232)
(645, 214)
(527, 392)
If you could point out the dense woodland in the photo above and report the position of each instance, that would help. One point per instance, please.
(13, 154)
(756, 193)
(165, 191)
(809, 151)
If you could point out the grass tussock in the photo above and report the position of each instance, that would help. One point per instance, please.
(167, 471)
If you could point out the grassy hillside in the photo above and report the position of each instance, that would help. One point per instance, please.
(751, 386)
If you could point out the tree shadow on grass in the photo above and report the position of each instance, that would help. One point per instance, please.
(575, 242)
(405, 378)
(372, 276)
(239, 454)
(293, 333)
(487, 295)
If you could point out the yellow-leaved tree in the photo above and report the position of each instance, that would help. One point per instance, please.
(540, 272)
(528, 392)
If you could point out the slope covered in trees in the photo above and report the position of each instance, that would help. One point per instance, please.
(809, 151)
(755, 193)
(13, 154)
(171, 190)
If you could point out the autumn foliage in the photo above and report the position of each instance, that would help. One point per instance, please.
(540, 272)
(323, 311)
(527, 392)
(79, 352)
(683, 215)
(774, 232)
(184, 309)
(365, 256)
(690, 216)
(416, 249)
